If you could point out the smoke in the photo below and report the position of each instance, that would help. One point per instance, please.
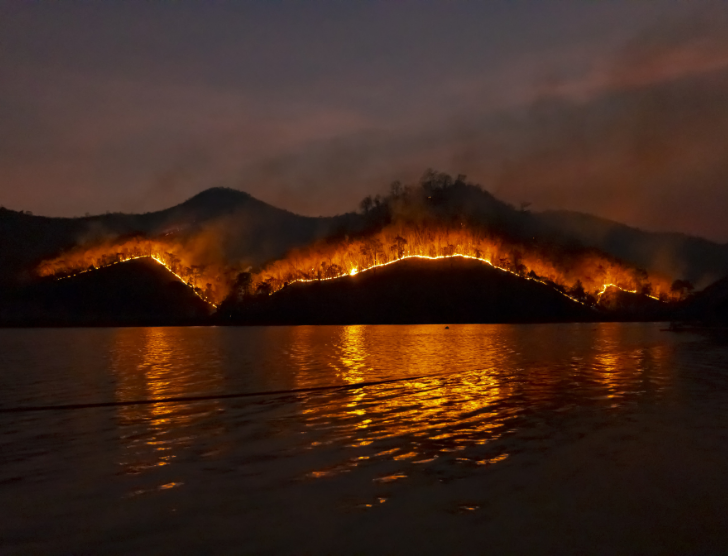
(642, 141)
(638, 138)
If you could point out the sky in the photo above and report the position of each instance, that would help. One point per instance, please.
(615, 108)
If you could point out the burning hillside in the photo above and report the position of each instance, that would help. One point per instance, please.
(412, 291)
(582, 275)
(210, 281)
(436, 220)
(439, 218)
(137, 292)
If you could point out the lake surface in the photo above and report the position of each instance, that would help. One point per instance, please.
(574, 438)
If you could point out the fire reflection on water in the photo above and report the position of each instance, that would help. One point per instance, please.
(463, 389)
(434, 397)
(440, 410)
(150, 364)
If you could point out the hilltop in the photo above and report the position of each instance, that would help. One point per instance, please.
(134, 293)
(248, 232)
(245, 230)
(412, 291)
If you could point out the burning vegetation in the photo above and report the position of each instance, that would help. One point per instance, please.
(211, 282)
(441, 218)
(438, 218)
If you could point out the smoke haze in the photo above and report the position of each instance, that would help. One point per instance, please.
(616, 109)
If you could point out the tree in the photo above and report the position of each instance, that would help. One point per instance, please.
(399, 243)
(242, 284)
(577, 291)
(517, 265)
(264, 288)
(366, 204)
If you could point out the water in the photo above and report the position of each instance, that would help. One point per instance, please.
(527, 438)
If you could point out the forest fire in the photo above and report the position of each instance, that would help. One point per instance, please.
(216, 278)
(581, 276)
(433, 220)
(156, 259)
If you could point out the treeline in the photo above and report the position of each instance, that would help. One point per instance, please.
(442, 216)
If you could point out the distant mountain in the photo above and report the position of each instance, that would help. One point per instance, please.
(242, 228)
(247, 232)
(672, 254)
(412, 291)
(134, 293)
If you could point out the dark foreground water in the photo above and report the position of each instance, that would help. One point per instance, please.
(533, 439)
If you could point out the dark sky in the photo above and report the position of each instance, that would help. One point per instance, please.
(618, 108)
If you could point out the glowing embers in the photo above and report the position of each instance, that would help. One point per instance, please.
(615, 286)
(208, 279)
(356, 271)
(578, 274)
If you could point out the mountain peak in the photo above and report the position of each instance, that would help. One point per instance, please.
(218, 196)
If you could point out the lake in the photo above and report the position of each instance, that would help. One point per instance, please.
(539, 439)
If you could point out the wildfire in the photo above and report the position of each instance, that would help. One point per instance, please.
(355, 271)
(81, 261)
(582, 276)
(607, 286)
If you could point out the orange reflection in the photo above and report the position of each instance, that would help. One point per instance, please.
(157, 363)
(460, 390)
(430, 415)
(625, 369)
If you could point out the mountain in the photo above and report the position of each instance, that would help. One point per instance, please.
(244, 229)
(138, 292)
(412, 291)
(671, 254)
(233, 226)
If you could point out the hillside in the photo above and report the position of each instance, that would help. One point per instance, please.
(243, 229)
(709, 306)
(225, 227)
(139, 292)
(456, 290)
(672, 254)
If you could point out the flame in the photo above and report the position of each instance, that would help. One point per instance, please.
(82, 260)
(580, 275)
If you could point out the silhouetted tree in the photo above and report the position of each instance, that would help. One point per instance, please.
(577, 291)
(366, 204)
(264, 288)
(396, 189)
(242, 284)
(399, 243)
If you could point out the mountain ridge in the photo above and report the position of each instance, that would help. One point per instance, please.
(681, 255)
(251, 232)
